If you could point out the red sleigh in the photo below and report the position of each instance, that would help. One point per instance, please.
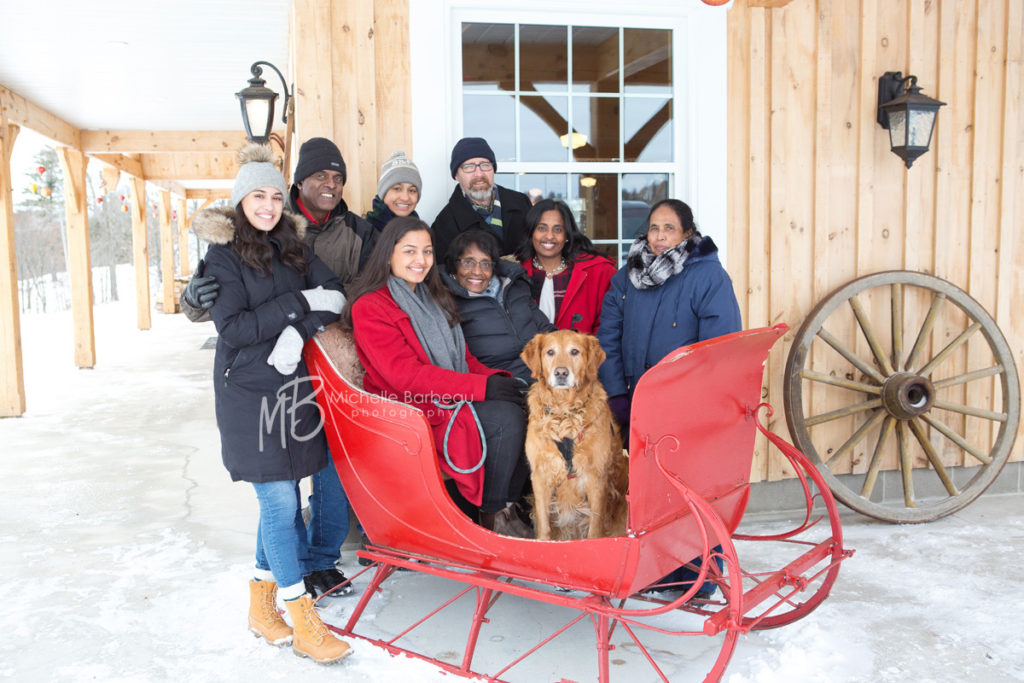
(691, 446)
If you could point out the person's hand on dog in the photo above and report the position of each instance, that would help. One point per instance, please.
(201, 290)
(619, 405)
(321, 299)
(287, 351)
(502, 388)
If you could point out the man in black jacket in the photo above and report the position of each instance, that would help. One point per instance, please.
(477, 202)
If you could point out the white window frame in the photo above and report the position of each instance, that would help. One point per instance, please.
(698, 172)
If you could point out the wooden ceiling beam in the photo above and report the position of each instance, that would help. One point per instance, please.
(158, 141)
(125, 164)
(189, 166)
(176, 189)
(208, 194)
(26, 114)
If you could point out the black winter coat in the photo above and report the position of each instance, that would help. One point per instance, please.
(458, 215)
(324, 241)
(270, 426)
(497, 330)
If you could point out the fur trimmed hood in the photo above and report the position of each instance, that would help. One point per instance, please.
(217, 225)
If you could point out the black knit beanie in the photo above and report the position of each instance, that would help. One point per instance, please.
(319, 154)
(471, 148)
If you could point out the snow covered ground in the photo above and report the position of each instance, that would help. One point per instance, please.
(125, 551)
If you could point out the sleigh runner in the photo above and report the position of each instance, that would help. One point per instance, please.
(691, 445)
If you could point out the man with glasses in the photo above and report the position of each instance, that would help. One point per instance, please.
(477, 202)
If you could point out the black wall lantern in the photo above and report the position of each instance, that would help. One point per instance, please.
(908, 115)
(258, 104)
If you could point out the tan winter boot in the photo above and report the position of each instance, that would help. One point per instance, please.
(264, 619)
(311, 637)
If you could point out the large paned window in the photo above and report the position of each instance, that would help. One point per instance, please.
(584, 114)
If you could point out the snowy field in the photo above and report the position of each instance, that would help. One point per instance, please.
(125, 552)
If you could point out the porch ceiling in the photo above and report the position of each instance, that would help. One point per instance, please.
(105, 68)
(125, 64)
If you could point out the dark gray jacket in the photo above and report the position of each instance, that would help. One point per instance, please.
(497, 330)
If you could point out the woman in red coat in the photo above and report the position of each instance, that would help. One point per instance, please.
(568, 277)
(407, 334)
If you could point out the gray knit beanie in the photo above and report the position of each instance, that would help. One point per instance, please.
(257, 168)
(398, 169)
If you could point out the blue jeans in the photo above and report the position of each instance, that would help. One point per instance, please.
(281, 543)
(328, 518)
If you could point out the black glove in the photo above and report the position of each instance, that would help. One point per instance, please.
(201, 291)
(502, 388)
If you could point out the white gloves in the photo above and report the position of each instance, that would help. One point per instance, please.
(321, 299)
(287, 351)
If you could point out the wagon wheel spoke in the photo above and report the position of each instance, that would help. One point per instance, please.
(919, 310)
(945, 430)
(969, 410)
(933, 457)
(856, 438)
(855, 360)
(843, 412)
(906, 466)
(869, 334)
(925, 331)
(876, 457)
(950, 348)
(896, 307)
(842, 382)
(968, 377)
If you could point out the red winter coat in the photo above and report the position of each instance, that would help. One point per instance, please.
(398, 367)
(581, 307)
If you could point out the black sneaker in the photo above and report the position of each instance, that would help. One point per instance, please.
(326, 582)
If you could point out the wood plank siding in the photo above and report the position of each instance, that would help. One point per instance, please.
(816, 197)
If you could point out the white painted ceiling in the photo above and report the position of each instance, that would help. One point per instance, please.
(141, 64)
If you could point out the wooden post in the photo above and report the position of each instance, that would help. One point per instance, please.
(392, 74)
(167, 254)
(74, 164)
(140, 252)
(181, 207)
(12, 376)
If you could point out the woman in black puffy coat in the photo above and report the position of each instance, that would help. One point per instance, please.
(499, 315)
(274, 295)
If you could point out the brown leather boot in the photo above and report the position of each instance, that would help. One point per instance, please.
(264, 619)
(311, 638)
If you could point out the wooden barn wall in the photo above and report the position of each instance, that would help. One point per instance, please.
(817, 198)
(355, 91)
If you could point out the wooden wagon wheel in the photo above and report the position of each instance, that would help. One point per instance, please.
(858, 403)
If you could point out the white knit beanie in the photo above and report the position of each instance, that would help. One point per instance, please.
(398, 169)
(257, 168)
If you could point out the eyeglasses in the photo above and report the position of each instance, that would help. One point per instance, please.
(470, 264)
(484, 166)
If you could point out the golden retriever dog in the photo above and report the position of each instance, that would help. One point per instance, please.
(577, 467)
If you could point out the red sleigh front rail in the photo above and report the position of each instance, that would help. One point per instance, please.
(691, 449)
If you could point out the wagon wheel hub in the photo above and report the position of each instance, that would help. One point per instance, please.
(906, 395)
